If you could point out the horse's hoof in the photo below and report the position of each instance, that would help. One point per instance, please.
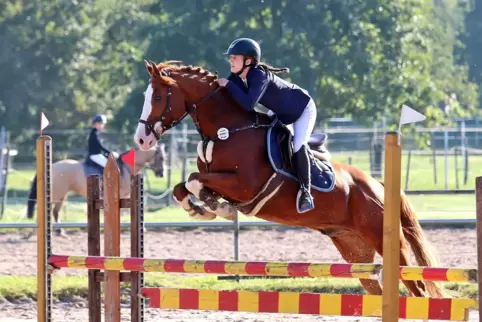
(61, 233)
(228, 211)
(199, 213)
(199, 210)
(212, 203)
(206, 216)
(28, 235)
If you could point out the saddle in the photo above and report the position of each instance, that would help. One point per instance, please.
(92, 168)
(280, 149)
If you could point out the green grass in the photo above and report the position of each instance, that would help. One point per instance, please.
(66, 288)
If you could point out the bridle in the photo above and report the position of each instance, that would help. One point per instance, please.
(149, 125)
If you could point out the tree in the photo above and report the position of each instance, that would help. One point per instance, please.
(70, 59)
(357, 58)
(473, 43)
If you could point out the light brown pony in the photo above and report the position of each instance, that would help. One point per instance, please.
(69, 176)
(239, 171)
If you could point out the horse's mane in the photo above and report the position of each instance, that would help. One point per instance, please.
(177, 66)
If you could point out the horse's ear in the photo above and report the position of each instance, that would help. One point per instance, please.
(148, 67)
(152, 68)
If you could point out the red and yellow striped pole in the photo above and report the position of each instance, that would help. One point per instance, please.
(294, 269)
(306, 303)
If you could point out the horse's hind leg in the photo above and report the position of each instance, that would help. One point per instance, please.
(375, 236)
(181, 196)
(354, 249)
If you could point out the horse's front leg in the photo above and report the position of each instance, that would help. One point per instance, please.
(181, 196)
(202, 186)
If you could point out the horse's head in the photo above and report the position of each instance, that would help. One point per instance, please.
(164, 107)
(154, 158)
(158, 162)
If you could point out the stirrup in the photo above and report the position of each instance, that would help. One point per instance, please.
(311, 203)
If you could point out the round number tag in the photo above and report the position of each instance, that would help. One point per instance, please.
(223, 133)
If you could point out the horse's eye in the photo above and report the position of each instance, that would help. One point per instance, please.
(157, 98)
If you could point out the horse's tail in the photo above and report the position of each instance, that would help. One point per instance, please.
(420, 246)
(32, 198)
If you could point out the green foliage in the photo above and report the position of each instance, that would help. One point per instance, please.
(357, 58)
(473, 43)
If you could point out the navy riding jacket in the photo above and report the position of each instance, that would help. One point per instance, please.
(285, 99)
(94, 144)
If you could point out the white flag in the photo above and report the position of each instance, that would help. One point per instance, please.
(409, 115)
(44, 122)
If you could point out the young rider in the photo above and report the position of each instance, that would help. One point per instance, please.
(253, 82)
(96, 151)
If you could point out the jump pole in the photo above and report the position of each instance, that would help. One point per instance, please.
(391, 227)
(44, 228)
(478, 205)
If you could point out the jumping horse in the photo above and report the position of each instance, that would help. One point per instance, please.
(244, 160)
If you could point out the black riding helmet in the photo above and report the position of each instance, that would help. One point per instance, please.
(246, 47)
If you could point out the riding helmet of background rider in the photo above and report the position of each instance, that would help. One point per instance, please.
(99, 121)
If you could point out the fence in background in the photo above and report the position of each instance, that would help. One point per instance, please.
(448, 163)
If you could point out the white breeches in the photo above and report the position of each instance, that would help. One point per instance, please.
(100, 159)
(304, 126)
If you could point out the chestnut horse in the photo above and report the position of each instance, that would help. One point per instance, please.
(243, 159)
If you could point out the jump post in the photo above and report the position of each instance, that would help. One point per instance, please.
(283, 302)
(107, 272)
(391, 226)
(112, 204)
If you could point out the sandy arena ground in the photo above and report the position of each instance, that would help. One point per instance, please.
(454, 248)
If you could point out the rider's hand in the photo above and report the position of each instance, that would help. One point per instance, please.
(115, 154)
(222, 82)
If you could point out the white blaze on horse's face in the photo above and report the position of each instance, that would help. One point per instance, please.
(143, 141)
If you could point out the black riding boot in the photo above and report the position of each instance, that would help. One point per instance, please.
(301, 163)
